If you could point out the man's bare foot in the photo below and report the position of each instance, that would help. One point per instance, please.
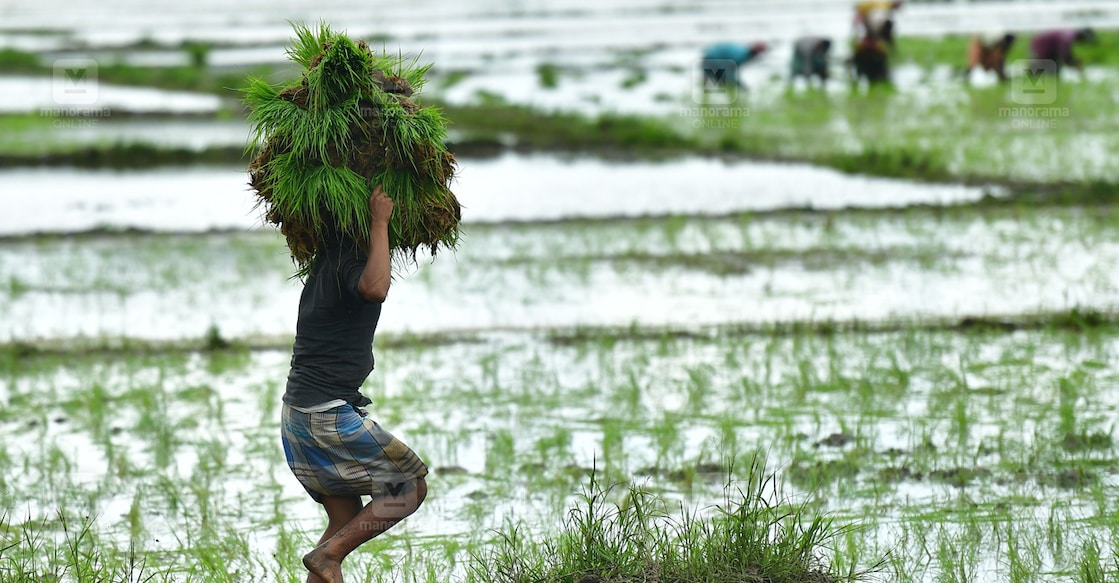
(327, 569)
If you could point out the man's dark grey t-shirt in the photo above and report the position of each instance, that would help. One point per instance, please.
(333, 351)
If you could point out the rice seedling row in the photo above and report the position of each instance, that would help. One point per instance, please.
(913, 438)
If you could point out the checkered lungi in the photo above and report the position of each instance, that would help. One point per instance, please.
(342, 452)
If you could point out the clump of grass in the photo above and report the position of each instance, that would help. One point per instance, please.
(29, 553)
(548, 74)
(898, 163)
(346, 126)
(214, 341)
(17, 61)
(198, 53)
(755, 537)
(634, 78)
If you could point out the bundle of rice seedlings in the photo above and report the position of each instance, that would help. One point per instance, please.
(348, 125)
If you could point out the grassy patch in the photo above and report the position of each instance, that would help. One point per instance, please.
(533, 130)
(548, 75)
(17, 61)
(755, 536)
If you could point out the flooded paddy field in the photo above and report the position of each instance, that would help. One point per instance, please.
(901, 306)
(634, 58)
(956, 456)
(741, 267)
(934, 378)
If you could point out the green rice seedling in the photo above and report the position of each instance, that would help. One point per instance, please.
(1023, 565)
(634, 78)
(17, 61)
(198, 53)
(347, 126)
(66, 550)
(501, 452)
(631, 536)
(1090, 567)
(548, 73)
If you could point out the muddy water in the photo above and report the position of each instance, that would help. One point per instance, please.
(514, 208)
(552, 272)
(37, 94)
(507, 188)
(472, 30)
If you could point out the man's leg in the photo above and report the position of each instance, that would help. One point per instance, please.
(339, 511)
(325, 561)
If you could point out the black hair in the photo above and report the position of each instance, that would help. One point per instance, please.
(1086, 35)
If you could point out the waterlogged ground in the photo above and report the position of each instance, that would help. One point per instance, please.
(642, 348)
(508, 188)
(977, 457)
(930, 365)
(674, 272)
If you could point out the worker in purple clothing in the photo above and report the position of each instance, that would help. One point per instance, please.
(1057, 45)
(721, 62)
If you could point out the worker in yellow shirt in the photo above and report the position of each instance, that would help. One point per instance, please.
(875, 20)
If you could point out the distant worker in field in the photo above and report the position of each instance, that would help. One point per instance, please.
(876, 20)
(810, 60)
(988, 51)
(721, 63)
(871, 61)
(1057, 46)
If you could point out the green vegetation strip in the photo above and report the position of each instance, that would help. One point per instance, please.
(1076, 320)
(754, 538)
(196, 76)
(128, 156)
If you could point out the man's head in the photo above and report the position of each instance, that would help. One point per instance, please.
(1086, 35)
(824, 45)
(896, 5)
(1008, 40)
(758, 48)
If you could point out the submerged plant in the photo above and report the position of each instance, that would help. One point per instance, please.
(348, 125)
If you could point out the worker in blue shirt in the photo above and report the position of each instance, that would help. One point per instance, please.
(721, 62)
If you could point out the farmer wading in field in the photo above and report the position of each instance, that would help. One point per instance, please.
(336, 451)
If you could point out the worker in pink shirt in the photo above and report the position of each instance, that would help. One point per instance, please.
(1057, 46)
